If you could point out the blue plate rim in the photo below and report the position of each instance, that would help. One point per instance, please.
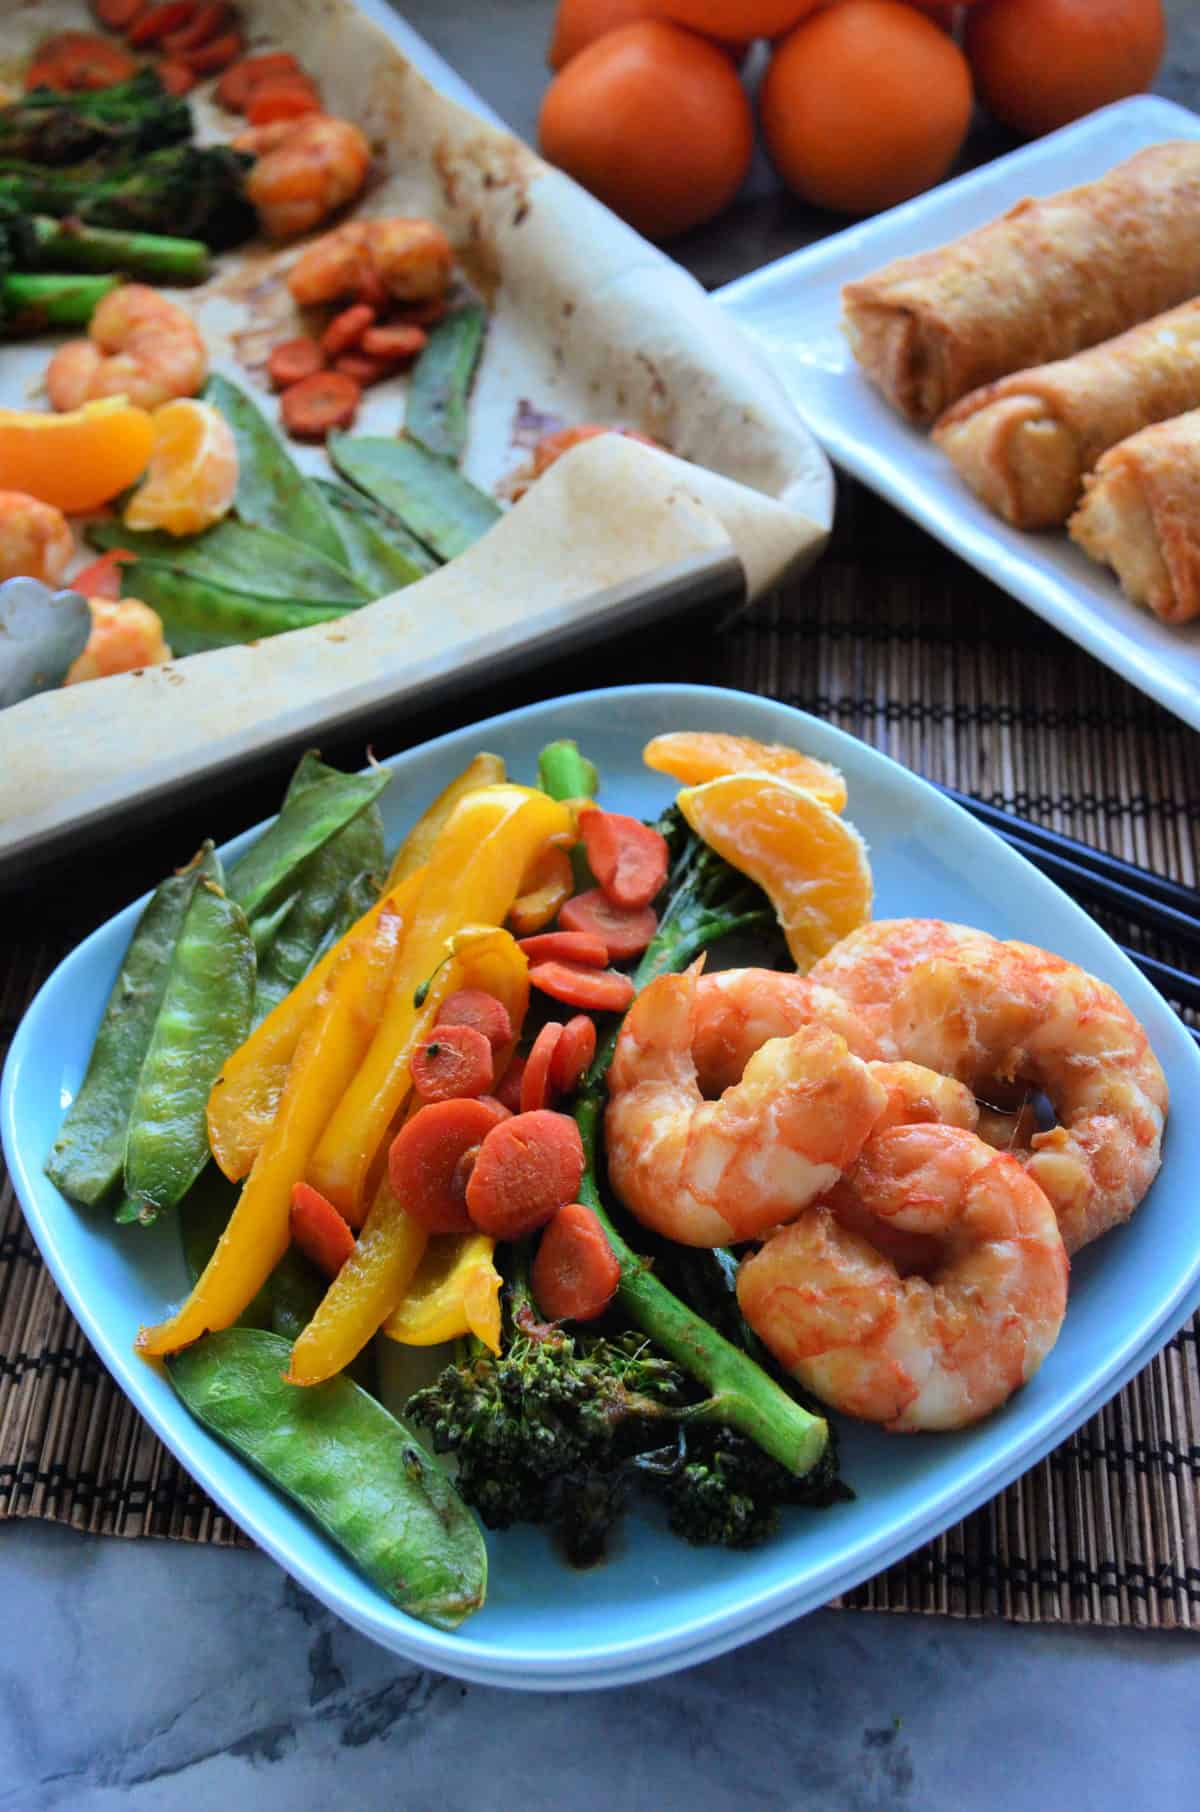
(690, 1640)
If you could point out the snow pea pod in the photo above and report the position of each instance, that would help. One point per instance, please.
(380, 562)
(351, 504)
(323, 880)
(309, 820)
(432, 499)
(89, 1152)
(198, 615)
(357, 1471)
(265, 926)
(257, 561)
(272, 491)
(203, 1016)
(435, 410)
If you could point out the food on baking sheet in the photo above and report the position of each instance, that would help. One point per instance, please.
(1023, 444)
(1044, 280)
(1140, 514)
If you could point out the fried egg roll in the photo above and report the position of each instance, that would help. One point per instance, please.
(1141, 515)
(1041, 282)
(1024, 444)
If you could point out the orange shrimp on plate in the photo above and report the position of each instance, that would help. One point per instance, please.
(912, 1352)
(705, 1172)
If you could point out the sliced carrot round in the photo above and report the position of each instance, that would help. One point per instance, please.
(321, 1233)
(286, 98)
(293, 360)
(625, 930)
(575, 1272)
(363, 371)
(508, 1089)
(573, 1054)
(208, 21)
(318, 404)
(176, 76)
(451, 1062)
(567, 947)
(241, 78)
(152, 26)
(432, 1157)
(216, 53)
(535, 1080)
(527, 1168)
(595, 990)
(397, 342)
(346, 329)
(627, 857)
(475, 1007)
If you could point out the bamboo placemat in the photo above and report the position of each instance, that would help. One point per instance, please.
(894, 640)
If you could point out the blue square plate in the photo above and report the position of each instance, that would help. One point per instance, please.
(658, 1605)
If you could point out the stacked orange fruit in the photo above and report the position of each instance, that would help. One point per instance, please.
(862, 103)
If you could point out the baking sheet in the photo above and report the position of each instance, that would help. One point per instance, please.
(588, 321)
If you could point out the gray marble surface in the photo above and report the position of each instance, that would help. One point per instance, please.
(145, 1677)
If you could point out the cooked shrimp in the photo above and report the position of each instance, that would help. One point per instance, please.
(915, 1096)
(408, 260)
(983, 1010)
(917, 1352)
(704, 1172)
(1043, 1021)
(139, 345)
(125, 635)
(305, 170)
(738, 1010)
(35, 539)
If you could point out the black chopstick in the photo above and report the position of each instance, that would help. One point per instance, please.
(1089, 874)
(1142, 881)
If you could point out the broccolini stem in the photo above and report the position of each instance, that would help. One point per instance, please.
(566, 774)
(740, 1393)
(28, 304)
(68, 245)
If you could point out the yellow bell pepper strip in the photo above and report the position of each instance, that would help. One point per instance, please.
(456, 1291)
(481, 770)
(472, 876)
(548, 885)
(246, 1094)
(331, 1048)
(374, 1278)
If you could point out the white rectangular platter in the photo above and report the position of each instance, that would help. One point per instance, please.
(793, 307)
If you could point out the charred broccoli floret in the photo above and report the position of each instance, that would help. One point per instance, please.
(128, 119)
(194, 190)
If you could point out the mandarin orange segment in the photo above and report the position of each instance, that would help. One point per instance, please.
(193, 472)
(79, 459)
(811, 864)
(694, 756)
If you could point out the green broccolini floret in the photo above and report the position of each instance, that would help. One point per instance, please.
(190, 190)
(128, 119)
(558, 1429)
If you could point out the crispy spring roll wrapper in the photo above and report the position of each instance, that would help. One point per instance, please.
(1141, 515)
(1024, 444)
(1041, 282)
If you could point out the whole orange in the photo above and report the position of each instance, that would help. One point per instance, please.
(1041, 63)
(738, 18)
(654, 121)
(578, 23)
(864, 105)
